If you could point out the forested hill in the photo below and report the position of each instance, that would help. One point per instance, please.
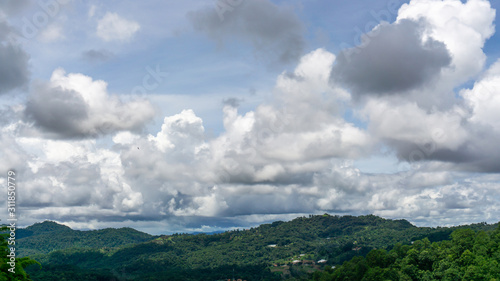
(468, 255)
(266, 252)
(45, 237)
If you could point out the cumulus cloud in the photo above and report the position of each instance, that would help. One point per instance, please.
(450, 32)
(65, 179)
(277, 142)
(11, 150)
(462, 26)
(75, 106)
(76, 175)
(414, 131)
(274, 149)
(483, 105)
(292, 155)
(414, 108)
(112, 27)
(57, 110)
(484, 100)
(275, 32)
(178, 132)
(392, 59)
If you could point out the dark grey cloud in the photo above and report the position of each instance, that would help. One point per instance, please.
(275, 33)
(94, 56)
(455, 201)
(233, 102)
(294, 76)
(391, 59)
(479, 153)
(60, 111)
(57, 111)
(268, 204)
(14, 71)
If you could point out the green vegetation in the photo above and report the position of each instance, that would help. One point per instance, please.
(42, 238)
(469, 255)
(266, 252)
(12, 268)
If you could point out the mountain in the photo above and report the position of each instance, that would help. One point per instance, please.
(42, 228)
(262, 253)
(45, 237)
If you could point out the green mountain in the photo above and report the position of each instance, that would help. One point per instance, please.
(42, 228)
(266, 252)
(42, 238)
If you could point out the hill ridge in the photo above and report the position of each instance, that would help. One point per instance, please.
(258, 251)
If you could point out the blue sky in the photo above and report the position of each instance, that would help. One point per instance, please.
(179, 116)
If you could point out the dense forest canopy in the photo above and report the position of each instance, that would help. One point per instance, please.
(469, 255)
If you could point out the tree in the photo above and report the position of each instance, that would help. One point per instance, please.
(18, 273)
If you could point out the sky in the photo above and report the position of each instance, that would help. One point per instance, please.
(208, 115)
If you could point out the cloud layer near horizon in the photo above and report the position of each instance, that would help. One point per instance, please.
(86, 157)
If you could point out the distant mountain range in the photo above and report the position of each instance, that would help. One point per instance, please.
(268, 252)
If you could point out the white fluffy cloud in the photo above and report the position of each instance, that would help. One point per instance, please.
(275, 144)
(179, 132)
(278, 140)
(68, 179)
(74, 105)
(484, 99)
(411, 124)
(112, 27)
